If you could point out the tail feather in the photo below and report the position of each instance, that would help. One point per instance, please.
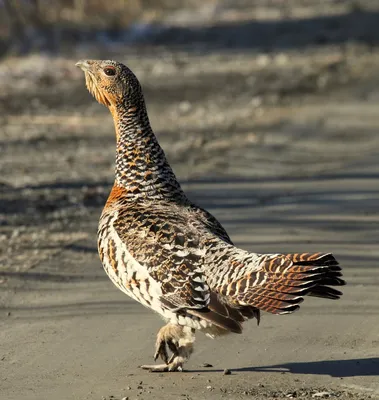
(282, 281)
(225, 316)
(299, 279)
(219, 320)
(278, 287)
(325, 292)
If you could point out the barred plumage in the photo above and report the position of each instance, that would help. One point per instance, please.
(174, 257)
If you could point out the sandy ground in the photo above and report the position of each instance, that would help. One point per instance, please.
(281, 144)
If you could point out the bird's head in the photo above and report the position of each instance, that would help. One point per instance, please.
(110, 82)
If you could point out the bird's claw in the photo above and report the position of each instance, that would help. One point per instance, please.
(172, 338)
(171, 367)
(161, 350)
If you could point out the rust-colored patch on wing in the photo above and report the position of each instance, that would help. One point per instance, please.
(116, 193)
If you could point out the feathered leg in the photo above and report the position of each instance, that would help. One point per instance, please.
(179, 340)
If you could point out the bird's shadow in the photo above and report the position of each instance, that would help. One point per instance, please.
(334, 368)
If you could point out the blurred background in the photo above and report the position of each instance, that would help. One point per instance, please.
(266, 109)
(236, 90)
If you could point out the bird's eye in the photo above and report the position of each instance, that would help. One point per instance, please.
(110, 71)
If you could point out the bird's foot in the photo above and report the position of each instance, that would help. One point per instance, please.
(179, 340)
(166, 338)
(161, 351)
(174, 366)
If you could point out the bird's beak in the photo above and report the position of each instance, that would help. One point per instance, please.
(83, 65)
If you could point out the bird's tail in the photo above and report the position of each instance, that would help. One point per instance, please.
(283, 280)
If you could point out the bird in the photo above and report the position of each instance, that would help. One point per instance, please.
(173, 256)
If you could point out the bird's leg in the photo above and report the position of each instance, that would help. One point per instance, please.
(164, 339)
(180, 341)
(174, 349)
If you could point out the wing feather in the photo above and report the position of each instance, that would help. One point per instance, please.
(169, 248)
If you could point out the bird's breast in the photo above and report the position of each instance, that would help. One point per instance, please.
(123, 269)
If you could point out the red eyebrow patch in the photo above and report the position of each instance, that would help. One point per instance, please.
(110, 70)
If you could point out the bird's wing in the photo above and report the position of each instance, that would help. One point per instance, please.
(211, 223)
(163, 242)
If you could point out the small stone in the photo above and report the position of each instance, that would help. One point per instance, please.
(128, 388)
(125, 398)
(227, 371)
(8, 314)
(209, 387)
(207, 365)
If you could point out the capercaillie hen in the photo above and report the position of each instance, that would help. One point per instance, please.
(175, 257)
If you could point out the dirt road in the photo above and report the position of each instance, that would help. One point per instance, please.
(282, 146)
(66, 333)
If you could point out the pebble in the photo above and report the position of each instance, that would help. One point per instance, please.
(226, 371)
(207, 365)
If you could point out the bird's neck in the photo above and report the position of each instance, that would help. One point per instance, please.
(141, 165)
